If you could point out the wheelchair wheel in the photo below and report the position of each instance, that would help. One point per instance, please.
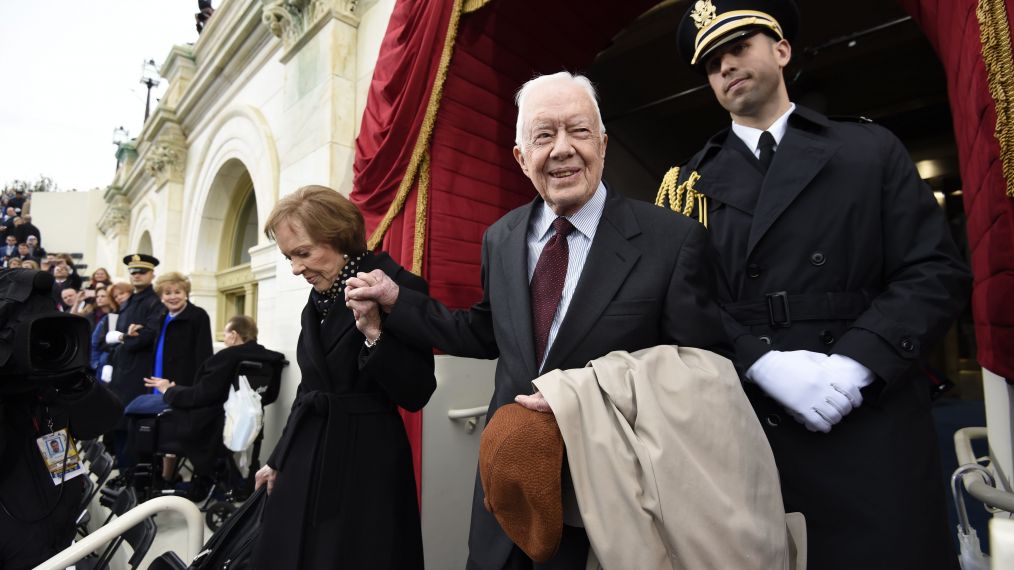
(218, 513)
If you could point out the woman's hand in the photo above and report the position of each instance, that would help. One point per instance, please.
(367, 314)
(265, 476)
(159, 383)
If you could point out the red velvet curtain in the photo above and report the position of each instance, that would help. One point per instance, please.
(953, 28)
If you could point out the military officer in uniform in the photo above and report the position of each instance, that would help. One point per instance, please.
(839, 273)
(132, 359)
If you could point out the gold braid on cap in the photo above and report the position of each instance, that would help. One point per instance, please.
(730, 21)
(684, 197)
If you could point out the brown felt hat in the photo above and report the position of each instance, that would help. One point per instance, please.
(520, 464)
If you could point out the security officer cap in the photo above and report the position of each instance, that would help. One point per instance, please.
(710, 24)
(140, 261)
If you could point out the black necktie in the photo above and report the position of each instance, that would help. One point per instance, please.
(767, 150)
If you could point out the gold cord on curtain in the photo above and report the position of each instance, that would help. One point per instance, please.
(418, 166)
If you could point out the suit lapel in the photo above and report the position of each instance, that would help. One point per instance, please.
(513, 264)
(798, 159)
(610, 260)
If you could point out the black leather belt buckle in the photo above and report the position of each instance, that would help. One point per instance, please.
(778, 309)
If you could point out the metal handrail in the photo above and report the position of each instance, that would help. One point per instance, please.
(464, 413)
(470, 415)
(126, 521)
(974, 483)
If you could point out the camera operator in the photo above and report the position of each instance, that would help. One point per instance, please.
(47, 401)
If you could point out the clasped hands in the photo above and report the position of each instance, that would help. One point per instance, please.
(818, 390)
(367, 294)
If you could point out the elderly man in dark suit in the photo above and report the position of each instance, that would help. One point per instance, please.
(579, 272)
(841, 275)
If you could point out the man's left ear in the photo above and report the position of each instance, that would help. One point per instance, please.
(520, 157)
(783, 52)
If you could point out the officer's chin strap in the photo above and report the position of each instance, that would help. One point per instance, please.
(683, 198)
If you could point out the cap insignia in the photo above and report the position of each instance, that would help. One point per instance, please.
(703, 13)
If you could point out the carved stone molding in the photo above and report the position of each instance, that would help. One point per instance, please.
(115, 220)
(165, 160)
(293, 20)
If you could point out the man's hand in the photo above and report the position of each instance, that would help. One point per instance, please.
(133, 329)
(265, 476)
(535, 402)
(372, 286)
(799, 381)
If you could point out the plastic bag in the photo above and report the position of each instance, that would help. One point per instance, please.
(244, 416)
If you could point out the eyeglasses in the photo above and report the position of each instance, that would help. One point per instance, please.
(136, 270)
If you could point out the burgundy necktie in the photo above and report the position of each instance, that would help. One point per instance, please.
(547, 284)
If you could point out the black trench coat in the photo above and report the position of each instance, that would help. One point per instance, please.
(842, 224)
(345, 496)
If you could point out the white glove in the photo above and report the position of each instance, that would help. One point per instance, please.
(114, 337)
(848, 376)
(106, 374)
(798, 380)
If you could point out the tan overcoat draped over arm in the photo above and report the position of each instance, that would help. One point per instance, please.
(669, 463)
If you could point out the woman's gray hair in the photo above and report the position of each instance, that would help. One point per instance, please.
(538, 80)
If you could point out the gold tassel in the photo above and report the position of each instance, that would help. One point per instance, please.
(676, 195)
(994, 34)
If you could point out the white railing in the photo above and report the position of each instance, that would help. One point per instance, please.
(974, 483)
(123, 523)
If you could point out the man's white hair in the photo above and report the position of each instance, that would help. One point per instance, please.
(538, 80)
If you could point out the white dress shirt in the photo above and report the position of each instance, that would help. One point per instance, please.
(540, 229)
(751, 136)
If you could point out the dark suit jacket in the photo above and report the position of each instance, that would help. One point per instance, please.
(648, 280)
(842, 211)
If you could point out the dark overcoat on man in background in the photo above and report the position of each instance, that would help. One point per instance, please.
(133, 359)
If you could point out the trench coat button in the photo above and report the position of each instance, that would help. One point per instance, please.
(773, 420)
(907, 345)
(753, 270)
(818, 258)
(765, 339)
(826, 337)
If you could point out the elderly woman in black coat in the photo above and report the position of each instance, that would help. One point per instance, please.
(342, 491)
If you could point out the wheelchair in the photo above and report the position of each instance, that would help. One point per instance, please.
(153, 436)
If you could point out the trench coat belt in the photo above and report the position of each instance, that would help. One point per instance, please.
(336, 411)
(779, 309)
